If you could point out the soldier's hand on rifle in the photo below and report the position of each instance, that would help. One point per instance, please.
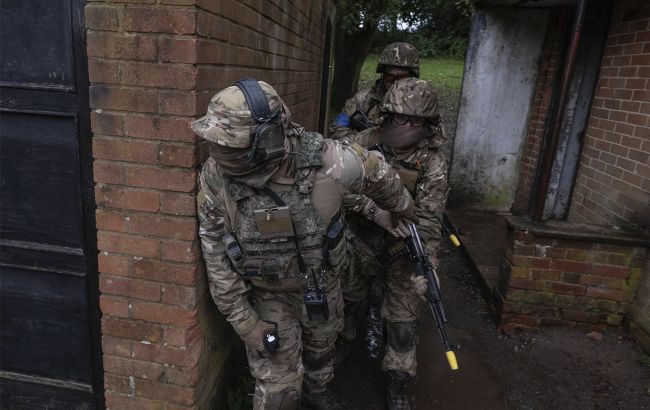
(420, 285)
(385, 220)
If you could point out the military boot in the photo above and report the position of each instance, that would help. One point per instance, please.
(320, 400)
(396, 396)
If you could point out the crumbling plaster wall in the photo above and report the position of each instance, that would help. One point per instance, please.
(503, 58)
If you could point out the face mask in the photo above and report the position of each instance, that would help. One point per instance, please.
(402, 136)
(236, 163)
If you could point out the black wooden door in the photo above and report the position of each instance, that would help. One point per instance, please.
(49, 316)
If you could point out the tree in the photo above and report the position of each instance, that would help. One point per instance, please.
(434, 26)
(355, 25)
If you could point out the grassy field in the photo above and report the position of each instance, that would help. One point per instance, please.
(444, 74)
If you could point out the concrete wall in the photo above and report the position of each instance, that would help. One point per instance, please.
(153, 67)
(499, 82)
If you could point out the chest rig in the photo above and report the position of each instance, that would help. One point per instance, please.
(271, 236)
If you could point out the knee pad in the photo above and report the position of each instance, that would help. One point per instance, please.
(402, 335)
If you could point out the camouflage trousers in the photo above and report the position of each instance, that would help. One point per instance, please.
(306, 351)
(398, 309)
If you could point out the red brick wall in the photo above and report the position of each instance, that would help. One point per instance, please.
(571, 282)
(153, 66)
(613, 184)
(548, 69)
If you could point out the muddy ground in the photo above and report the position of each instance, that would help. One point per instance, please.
(541, 369)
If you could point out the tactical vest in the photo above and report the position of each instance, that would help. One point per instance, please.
(271, 262)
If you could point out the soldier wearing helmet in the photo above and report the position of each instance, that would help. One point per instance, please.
(270, 226)
(409, 138)
(397, 61)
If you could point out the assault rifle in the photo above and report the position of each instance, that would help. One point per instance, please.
(423, 267)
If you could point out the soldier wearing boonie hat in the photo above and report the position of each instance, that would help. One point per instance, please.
(270, 226)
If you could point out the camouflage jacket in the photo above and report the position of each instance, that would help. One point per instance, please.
(344, 168)
(424, 172)
(369, 101)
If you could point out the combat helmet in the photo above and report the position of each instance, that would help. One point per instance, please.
(228, 121)
(414, 97)
(400, 55)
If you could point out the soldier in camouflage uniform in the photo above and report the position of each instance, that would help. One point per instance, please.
(397, 61)
(262, 259)
(409, 138)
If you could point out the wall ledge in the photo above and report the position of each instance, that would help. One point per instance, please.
(578, 231)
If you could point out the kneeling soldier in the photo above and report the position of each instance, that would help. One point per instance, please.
(271, 227)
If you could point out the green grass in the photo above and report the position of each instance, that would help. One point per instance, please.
(445, 74)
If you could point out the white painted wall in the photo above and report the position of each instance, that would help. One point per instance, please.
(503, 56)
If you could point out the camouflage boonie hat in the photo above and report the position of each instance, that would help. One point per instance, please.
(228, 121)
(411, 96)
(400, 55)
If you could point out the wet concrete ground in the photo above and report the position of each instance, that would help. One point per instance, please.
(475, 385)
(537, 369)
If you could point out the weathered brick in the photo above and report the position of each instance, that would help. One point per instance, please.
(570, 266)
(185, 274)
(605, 293)
(121, 46)
(171, 179)
(114, 306)
(179, 356)
(108, 172)
(166, 392)
(178, 155)
(107, 123)
(158, 75)
(122, 149)
(113, 97)
(128, 244)
(180, 251)
(611, 271)
(129, 287)
(130, 329)
(116, 346)
(111, 196)
(99, 17)
(567, 288)
(160, 128)
(113, 264)
(103, 71)
(518, 283)
(162, 313)
(180, 336)
(178, 204)
(120, 401)
(159, 20)
(110, 221)
(180, 295)
(163, 226)
(178, 50)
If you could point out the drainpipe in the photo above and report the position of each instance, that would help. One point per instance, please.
(550, 150)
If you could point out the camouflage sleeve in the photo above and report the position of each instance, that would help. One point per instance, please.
(338, 132)
(228, 289)
(367, 173)
(430, 199)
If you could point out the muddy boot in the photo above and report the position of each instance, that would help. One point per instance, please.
(396, 396)
(319, 400)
